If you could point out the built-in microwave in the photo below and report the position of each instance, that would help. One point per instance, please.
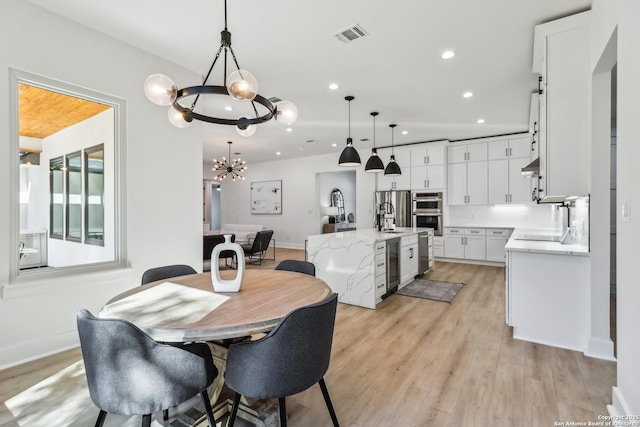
(427, 211)
(427, 202)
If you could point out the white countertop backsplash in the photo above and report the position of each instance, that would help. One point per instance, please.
(508, 216)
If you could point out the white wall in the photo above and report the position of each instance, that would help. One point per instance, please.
(299, 217)
(626, 14)
(164, 176)
(345, 181)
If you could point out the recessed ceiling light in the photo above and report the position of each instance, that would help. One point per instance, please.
(334, 145)
(277, 153)
(405, 132)
(467, 94)
(480, 121)
(448, 54)
(228, 108)
(289, 130)
(334, 86)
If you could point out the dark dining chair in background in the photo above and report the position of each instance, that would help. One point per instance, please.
(166, 272)
(258, 246)
(297, 266)
(129, 373)
(288, 360)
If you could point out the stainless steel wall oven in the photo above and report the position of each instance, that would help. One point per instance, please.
(427, 211)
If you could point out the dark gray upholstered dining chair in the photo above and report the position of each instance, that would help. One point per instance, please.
(131, 374)
(305, 267)
(258, 246)
(166, 272)
(288, 360)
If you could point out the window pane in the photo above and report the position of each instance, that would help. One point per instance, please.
(94, 166)
(74, 201)
(57, 197)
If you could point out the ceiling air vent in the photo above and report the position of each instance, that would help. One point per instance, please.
(350, 34)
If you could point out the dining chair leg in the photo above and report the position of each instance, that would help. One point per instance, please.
(207, 408)
(282, 411)
(146, 420)
(327, 400)
(165, 414)
(234, 410)
(101, 416)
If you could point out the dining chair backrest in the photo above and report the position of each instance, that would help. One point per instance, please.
(129, 373)
(261, 241)
(297, 266)
(290, 359)
(166, 272)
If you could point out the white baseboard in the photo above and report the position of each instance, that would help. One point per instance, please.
(621, 409)
(33, 350)
(600, 349)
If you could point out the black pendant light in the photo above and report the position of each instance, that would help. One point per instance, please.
(349, 156)
(374, 164)
(392, 169)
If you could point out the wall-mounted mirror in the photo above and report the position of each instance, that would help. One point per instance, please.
(69, 142)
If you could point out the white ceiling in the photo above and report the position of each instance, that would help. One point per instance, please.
(397, 70)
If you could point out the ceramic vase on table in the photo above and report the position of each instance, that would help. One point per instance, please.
(219, 284)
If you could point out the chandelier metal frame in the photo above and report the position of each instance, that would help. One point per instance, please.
(230, 167)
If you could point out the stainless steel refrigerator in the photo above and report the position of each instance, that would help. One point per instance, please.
(397, 203)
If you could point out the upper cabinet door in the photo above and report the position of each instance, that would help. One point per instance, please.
(520, 147)
(457, 154)
(477, 152)
(499, 150)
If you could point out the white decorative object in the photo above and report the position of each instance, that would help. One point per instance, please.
(220, 285)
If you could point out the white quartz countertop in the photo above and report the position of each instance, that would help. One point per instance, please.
(543, 246)
(375, 235)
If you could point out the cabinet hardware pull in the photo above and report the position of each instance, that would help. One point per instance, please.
(381, 285)
(509, 151)
(506, 152)
(380, 265)
(428, 160)
(425, 183)
(428, 183)
(424, 160)
(506, 198)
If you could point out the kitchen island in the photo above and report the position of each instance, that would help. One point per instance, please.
(547, 289)
(353, 263)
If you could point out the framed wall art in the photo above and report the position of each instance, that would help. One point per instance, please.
(266, 197)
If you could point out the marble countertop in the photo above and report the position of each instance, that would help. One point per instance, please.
(372, 234)
(542, 246)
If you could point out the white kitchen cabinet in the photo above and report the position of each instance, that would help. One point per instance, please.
(562, 58)
(427, 177)
(506, 184)
(467, 174)
(438, 246)
(509, 148)
(408, 259)
(462, 153)
(547, 298)
(467, 183)
(505, 181)
(431, 153)
(496, 241)
(400, 182)
(465, 243)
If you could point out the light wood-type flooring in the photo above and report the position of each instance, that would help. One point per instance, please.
(410, 362)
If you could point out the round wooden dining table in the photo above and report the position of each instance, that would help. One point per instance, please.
(186, 308)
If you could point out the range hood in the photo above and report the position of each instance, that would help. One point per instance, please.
(532, 168)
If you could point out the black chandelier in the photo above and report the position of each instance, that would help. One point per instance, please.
(392, 169)
(374, 164)
(241, 85)
(229, 168)
(349, 156)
